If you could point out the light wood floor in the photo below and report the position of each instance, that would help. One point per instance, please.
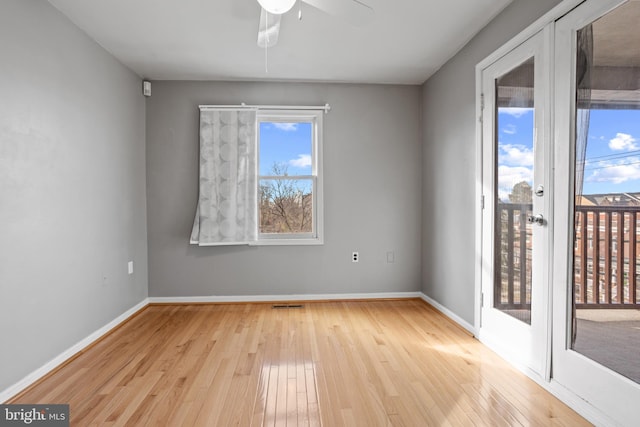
(374, 363)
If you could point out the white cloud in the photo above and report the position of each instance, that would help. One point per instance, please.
(509, 176)
(510, 129)
(515, 155)
(623, 141)
(287, 127)
(303, 161)
(616, 173)
(514, 111)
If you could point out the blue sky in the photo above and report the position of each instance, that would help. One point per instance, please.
(515, 149)
(613, 152)
(612, 157)
(287, 144)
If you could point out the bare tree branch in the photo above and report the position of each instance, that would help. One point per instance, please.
(285, 206)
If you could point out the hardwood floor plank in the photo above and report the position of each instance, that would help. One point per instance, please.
(375, 363)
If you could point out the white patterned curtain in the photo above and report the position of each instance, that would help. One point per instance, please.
(227, 204)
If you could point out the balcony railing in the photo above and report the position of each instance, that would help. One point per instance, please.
(606, 257)
(513, 258)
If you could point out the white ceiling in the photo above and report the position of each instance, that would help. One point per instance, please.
(406, 43)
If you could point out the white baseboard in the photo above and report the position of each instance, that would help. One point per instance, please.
(280, 298)
(450, 314)
(34, 376)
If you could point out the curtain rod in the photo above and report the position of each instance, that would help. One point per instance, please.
(326, 107)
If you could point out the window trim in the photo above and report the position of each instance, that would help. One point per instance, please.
(315, 117)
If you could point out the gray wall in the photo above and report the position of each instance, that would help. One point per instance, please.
(372, 190)
(448, 121)
(72, 180)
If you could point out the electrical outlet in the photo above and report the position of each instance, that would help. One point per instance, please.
(391, 257)
(355, 257)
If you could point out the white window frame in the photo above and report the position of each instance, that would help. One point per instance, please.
(316, 237)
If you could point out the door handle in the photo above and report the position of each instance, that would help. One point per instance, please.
(535, 219)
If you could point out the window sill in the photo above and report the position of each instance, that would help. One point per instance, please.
(288, 242)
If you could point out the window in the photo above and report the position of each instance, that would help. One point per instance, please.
(289, 177)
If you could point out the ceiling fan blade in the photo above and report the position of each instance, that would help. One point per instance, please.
(354, 12)
(268, 29)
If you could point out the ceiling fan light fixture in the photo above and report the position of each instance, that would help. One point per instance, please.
(277, 7)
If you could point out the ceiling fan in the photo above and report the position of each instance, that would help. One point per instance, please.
(352, 11)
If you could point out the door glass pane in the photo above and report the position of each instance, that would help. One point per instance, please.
(513, 205)
(606, 298)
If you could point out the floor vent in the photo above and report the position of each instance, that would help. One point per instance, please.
(287, 306)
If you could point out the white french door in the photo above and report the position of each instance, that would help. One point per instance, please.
(515, 226)
(597, 120)
(559, 222)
